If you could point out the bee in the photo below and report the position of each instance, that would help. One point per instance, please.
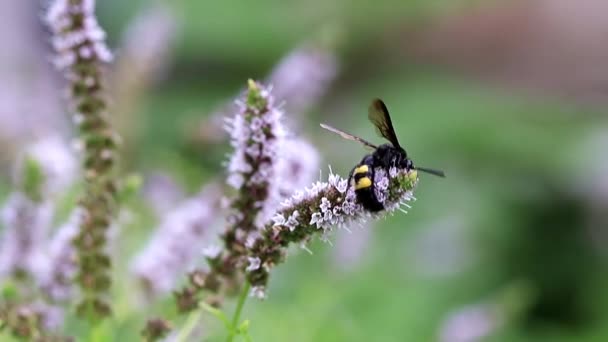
(361, 177)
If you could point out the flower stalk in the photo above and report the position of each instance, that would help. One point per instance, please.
(256, 134)
(237, 312)
(254, 240)
(315, 212)
(81, 52)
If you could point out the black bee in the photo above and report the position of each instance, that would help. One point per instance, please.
(385, 156)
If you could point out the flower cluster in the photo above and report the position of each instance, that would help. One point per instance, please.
(77, 35)
(258, 139)
(303, 76)
(27, 223)
(470, 323)
(57, 162)
(57, 282)
(81, 52)
(27, 217)
(317, 210)
(148, 40)
(268, 213)
(31, 322)
(145, 55)
(297, 167)
(177, 242)
(256, 136)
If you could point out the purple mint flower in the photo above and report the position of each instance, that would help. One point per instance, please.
(81, 52)
(177, 243)
(321, 207)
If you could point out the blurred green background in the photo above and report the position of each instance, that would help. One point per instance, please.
(507, 97)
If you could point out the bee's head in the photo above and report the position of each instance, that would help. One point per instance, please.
(402, 160)
(394, 156)
(405, 162)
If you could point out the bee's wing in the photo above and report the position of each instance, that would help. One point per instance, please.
(348, 136)
(379, 116)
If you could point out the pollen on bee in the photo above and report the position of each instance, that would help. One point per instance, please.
(364, 182)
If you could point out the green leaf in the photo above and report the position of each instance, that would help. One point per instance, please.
(33, 179)
(101, 332)
(9, 290)
(130, 186)
(244, 326)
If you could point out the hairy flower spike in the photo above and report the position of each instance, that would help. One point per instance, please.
(57, 283)
(177, 242)
(256, 136)
(303, 76)
(323, 206)
(30, 322)
(81, 51)
(27, 223)
(298, 166)
(27, 217)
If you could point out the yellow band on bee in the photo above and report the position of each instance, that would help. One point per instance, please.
(361, 169)
(364, 182)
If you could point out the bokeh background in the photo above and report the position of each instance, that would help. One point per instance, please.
(508, 97)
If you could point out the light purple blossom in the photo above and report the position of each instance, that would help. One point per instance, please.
(81, 52)
(320, 208)
(69, 42)
(212, 251)
(342, 214)
(57, 282)
(298, 165)
(351, 247)
(258, 292)
(303, 76)
(254, 264)
(162, 192)
(26, 227)
(148, 39)
(177, 243)
(470, 324)
(257, 137)
(57, 161)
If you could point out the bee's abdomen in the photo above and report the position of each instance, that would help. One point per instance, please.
(364, 188)
(362, 177)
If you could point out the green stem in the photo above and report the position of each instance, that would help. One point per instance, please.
(186, 330)
(237, 312)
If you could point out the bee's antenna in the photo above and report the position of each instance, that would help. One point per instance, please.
(438, 173)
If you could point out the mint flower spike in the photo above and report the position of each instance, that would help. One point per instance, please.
(297, 167)
(58, 282)
(256, 135)
(27, 218)
(81, 52)
(176, 244)
(27, 223)
(316, 211)
(303, 76)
